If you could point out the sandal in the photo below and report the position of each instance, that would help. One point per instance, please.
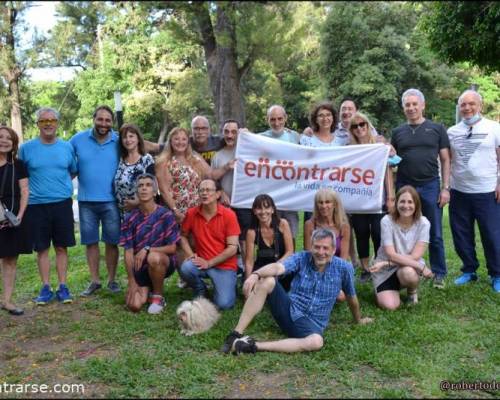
(14, 311)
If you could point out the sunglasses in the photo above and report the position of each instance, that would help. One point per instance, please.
(45, 122)
(360, 125)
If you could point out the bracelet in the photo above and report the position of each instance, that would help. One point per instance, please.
(256, 273)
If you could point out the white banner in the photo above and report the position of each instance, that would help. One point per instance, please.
(291, 174)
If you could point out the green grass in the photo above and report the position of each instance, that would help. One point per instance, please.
(450, 335)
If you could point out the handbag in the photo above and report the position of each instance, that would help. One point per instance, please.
(7, 217)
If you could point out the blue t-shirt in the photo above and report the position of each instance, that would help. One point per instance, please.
(313, 293)
(50, 167)
(287, 135)
(97, 164)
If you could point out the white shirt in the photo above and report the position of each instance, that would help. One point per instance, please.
(474, 159)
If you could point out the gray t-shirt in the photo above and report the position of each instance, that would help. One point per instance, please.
(220, 158)
(403, 240)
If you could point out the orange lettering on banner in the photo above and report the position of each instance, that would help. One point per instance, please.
(285, 170)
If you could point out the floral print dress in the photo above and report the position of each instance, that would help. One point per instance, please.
(185, 183)
(126, 175)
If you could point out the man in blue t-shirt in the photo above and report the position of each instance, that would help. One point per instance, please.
(97, 155)
(304, 312)
(51, 164)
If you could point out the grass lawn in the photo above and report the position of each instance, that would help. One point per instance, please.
(451, 335)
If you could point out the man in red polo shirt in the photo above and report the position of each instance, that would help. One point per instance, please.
(214, 230)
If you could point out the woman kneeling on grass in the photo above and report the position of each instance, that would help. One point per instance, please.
(399, 263)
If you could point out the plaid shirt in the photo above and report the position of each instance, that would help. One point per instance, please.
(156, 230)
(313, 293)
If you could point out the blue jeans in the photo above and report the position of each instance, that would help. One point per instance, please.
(465, 209)
(92, 213)
(279, 303)
(429, 196)
(224, 283)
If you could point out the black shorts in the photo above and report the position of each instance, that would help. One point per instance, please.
(391, 283)
(142, 277)
(52, 222)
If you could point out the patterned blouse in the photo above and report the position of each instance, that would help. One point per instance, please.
(125, 177)
(185, 183)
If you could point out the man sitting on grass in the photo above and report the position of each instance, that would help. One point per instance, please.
(149, 235)
(304, 312)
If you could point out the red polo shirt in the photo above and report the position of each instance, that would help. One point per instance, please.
(210, 236)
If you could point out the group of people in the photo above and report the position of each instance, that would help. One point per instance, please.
(172, 212)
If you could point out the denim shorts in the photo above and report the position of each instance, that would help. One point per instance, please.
(279, 303)
(92, 214)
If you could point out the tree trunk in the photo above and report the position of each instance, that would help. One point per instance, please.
(220, 54)
(11, 70)
(164, 128)
(15, 109)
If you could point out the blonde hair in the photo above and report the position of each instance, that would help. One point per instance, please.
(354, 139)
(339, 216)
(167, 154)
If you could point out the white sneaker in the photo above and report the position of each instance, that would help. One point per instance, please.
(157, 304)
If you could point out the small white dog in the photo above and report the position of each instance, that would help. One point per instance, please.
(197, 316)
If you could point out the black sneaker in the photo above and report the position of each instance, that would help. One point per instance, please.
(91, 289)
(228, 342)
(246, 344)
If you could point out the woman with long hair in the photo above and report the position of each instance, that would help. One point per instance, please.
(269, 238)
(367, 226)
(399, 263)
(329, 213)
(134, 161)
(179, 171)
(14, 193)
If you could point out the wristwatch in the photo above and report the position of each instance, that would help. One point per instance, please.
(447, 188)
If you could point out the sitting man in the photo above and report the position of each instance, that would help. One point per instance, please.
(149, 235)
(215, 231)
(304, 312)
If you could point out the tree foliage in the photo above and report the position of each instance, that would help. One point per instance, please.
(372, 52)
(465, 31)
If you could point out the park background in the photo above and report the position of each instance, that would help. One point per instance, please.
(172, 60)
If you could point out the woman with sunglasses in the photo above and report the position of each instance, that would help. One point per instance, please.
(14, 193)
(269, 238)
(367, 226)
(399, 263)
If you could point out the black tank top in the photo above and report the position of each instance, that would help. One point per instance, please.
(268, 254)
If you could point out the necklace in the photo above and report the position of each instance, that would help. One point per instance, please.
(413, 130)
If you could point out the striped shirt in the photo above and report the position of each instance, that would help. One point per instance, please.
(156, 229)
(313, 293)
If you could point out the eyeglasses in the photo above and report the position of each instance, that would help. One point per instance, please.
(360, 125)
(325, 116)
(470, 133)
(207, 190)
(46, 122)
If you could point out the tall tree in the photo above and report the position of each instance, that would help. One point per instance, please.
(233, 36)
(10, 68)
(465, 31)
